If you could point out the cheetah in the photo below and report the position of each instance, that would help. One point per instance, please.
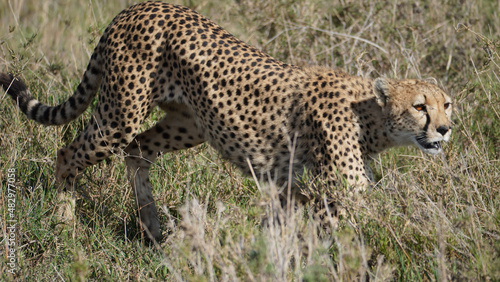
(247, 105)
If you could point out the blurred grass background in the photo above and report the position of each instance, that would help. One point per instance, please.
(428, 217)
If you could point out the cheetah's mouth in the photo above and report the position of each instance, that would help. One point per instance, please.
(429, 147)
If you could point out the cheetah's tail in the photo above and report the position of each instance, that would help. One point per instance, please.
(56, 115)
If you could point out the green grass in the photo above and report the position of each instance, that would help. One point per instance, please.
(427, 217)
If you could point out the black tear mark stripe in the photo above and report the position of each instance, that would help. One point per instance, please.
(427, 122)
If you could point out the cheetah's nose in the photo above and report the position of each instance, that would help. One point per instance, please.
(443, 129)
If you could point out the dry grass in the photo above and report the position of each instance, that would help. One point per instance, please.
(427, 218)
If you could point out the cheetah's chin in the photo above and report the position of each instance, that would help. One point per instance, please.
(432, 148)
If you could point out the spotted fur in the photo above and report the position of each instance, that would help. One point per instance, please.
(247, 105)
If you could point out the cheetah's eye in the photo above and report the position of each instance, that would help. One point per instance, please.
(447, 105)
(419, 107)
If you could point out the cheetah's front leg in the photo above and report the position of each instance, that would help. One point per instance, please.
(343, 175)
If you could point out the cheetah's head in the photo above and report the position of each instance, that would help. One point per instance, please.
(417, 112)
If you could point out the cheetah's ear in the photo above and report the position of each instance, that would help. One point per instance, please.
(431, 80)
(382, 89)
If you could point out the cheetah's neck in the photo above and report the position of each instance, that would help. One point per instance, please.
(374, 134)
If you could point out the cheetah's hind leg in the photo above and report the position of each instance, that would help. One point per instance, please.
(98, 141)
(176, 131)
